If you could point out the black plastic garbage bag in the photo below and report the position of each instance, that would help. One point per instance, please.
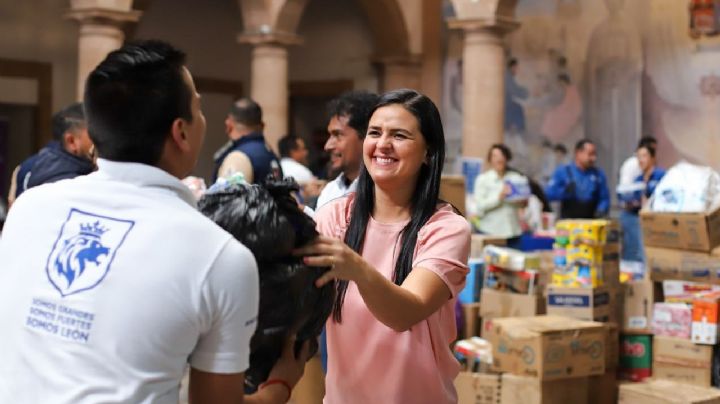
(267, 219)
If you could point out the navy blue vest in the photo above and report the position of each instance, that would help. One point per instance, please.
(263, 160)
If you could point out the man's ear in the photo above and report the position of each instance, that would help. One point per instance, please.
(178, 134)
(70, 142)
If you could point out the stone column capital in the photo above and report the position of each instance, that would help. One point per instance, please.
(497, 24)
(98, 13)
(266, 36)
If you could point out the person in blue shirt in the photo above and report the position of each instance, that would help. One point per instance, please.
(580, 187)
(633, 198)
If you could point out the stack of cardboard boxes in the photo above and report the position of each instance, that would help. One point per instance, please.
(512, 285)
(683, 310)
(538, 360)
(586, 276)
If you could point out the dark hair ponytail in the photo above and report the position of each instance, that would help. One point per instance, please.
(425, 197)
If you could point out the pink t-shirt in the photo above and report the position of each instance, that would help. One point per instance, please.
(368, 362)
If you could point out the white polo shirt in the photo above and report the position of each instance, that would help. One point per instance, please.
(335, 189)
(111, 283)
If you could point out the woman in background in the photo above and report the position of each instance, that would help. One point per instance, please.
(633, 200)
(497, 211)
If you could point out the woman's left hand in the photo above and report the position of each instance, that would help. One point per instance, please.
(345, 264)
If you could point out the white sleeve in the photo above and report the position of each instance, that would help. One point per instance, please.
(230, 299)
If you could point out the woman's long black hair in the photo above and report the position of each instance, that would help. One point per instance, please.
(425, 197)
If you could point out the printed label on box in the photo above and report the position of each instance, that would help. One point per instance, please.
(638, 322)
(569, 300)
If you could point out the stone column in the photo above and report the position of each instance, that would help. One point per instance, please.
(483, 84)
(100, 32)
(269, 80)
(400, 73)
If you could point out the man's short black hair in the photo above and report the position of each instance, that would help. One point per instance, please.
(132, 99)
(647, 140)
(247, 112)
(69, 118)
(287, 144)
(581, 144)
(357, 106)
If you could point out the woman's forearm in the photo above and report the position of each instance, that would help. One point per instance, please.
(399, 307)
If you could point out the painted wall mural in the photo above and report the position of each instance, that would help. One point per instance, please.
(608, 70)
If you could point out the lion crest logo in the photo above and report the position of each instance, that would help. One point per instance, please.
(84, 250)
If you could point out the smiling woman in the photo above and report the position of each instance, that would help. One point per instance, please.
(400, 257)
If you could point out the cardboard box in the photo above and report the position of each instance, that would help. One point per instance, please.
(682, 361)
(685, 231)
(667, 392)
(495, 304)
(478, 388)
(452, 191)
(471, 317)
(591, 304)
(667, 264)
(530, 390)
(705, 316)
(479, 241)
(547, 347)
(685, 291)
(602, 389)
(612, 347)
(638, 299)
(635, 357)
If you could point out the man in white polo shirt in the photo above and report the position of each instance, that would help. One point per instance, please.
(112, 283)
(349, 115)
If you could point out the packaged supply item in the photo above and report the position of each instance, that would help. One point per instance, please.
(682, 361)
(478, 242)
(496, 304)
(475, 354)
(531, 390)
(547, 347)
(507, 258)
(685, 291)
(687, 231)
(577, 276)
(589, 304)
(524, 282)
(687, 188)
(473, 282)
(585, 255)
(519, 189)
(705, 316)
(635, 357)
(595, 232)
(672, 320)
(638, 299)
(666, 392)
(478, 388)
(670, 264)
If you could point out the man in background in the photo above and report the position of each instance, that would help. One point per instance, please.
(349, 115)
(580, 186)
(246, 152)
(294, 161)
(67, 156)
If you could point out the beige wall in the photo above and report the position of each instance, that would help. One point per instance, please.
(338, 45)
(35, 30)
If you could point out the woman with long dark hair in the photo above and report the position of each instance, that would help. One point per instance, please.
(399, 255)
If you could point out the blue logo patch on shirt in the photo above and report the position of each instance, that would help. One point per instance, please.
(85, 248)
